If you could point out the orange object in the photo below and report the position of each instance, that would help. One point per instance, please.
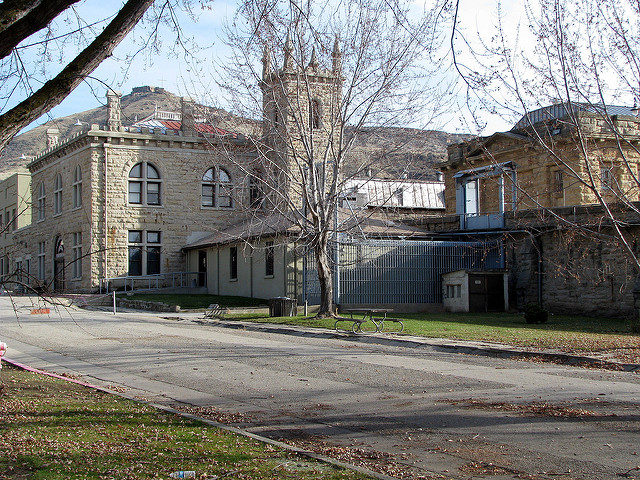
(40, 311)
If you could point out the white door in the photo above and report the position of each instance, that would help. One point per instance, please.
(471, 197)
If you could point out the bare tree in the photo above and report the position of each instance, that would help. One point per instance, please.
(329, 71)
(566, 76)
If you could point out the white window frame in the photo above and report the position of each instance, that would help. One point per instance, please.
(77, 187)
(217, 188)
(57, 195)
(144, 181)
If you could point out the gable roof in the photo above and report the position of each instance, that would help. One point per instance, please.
(268, 226)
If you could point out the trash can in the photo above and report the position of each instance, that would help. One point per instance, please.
(283, 307)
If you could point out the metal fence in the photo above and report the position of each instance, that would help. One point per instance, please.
(149, 282)
(399, 271)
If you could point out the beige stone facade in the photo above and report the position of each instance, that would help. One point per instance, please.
(98, 163)
(562, 168)
(15, 214)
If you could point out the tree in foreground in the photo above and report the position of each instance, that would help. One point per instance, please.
(326, 73)
(34, 26)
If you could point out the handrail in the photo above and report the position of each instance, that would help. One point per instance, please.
(152, 282)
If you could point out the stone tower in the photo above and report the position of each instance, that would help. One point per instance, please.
(301, 106)
(114, 111)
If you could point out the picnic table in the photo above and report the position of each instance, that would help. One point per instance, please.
(376, 315)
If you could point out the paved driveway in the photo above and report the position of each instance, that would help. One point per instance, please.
(439, 415)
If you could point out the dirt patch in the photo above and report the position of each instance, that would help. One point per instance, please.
(212, 413)
(380, 462)
(536, 409)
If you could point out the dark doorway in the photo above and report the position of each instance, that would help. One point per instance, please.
(58, 265)
(202, 268)
(486, 292)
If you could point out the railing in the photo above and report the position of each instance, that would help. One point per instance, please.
(130, 283)
(481, 221)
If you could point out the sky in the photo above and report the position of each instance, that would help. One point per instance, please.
(203, 32)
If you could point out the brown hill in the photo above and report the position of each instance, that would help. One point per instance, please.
(409, 152)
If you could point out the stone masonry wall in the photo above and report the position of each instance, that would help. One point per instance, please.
(181, 161)
(580, 275)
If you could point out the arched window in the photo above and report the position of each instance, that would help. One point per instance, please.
(216, 188)
(57, 195)
(77, 187)
(144, 184)
(314, 114)
(42, 200)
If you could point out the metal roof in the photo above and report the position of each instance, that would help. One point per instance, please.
(561, 110)
(163, 125)
(396, 193)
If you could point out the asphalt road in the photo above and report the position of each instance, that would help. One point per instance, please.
(437, 415)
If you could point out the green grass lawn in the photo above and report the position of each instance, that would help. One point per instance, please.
(52, 429)
(568, 333)
(202, 300)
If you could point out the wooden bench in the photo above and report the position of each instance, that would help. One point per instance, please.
(213, 311)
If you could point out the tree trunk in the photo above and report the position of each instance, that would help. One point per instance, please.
(56, 89)
(325, 277)
(635, 316)
(37, 19)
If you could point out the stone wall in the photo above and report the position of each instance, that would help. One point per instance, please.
(181, 162)
(579, 274)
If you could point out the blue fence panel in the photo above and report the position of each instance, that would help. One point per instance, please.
(400, 271)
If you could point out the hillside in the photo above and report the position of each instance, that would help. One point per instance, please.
(409, 152)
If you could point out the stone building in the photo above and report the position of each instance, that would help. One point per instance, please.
(117, 200)
(15, 214)
(553, 157)
(121, 200)
(538, 188)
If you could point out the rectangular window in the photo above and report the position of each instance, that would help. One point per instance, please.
(135, 260)
(558, 181)
(77, 187)
(135, 192)
(233, 263)
(268, 259)
(207, 195)
(77, 255)
(153, 237)
(41, 258)
(14, 220)
(153, 260)
(454, 291)
(27, 271)
(153, 193)
(605, 178)
(144, 252)
(19, 272)
(41, 204)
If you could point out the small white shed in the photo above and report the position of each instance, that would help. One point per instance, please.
(471, 291)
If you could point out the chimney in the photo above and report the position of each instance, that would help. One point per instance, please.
(53, 134)
(188, 126)
(114, 111)
(337, 57)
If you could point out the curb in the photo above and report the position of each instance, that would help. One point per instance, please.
(496, 350)
(298, 451)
